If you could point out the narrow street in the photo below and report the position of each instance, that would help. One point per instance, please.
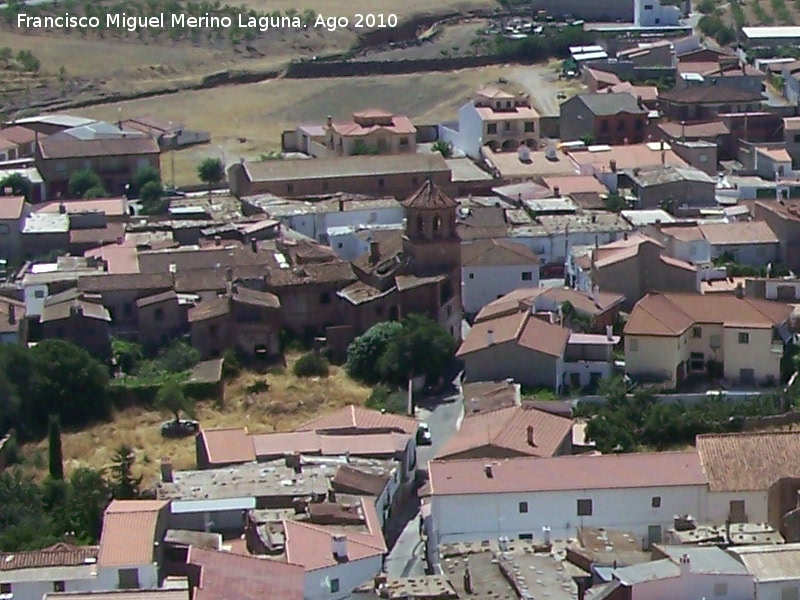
(406, 558)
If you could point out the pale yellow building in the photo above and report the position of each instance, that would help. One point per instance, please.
(671, 336)
(371, 132)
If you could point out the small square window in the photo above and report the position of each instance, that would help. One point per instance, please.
(38, 294)
(585, 507)
(527, 276)
(471, 276)
(325, 298)
(334, 585)
(381, 182)
(5, 588)
(633, 345)
(526, 537)
(529, 127)
(58, 586)
(491, 128)
(523, 507)
(655, 502)
(697, 332)
(744, 337)
(290, 189)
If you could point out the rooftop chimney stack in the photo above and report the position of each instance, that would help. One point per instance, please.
(341, 205)
(166, 470)
(379, 580)
(531, 439)
(556, 192)
(613, 165)
(217, 240)
(374, 252)
(253, 244)
(739, 291)
(62, 208)
(685, 564)
(339, 543)
(329, 121)
(609, 332)
(490, 337)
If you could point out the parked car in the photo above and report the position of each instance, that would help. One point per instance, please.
(180, 428)
(424, 435)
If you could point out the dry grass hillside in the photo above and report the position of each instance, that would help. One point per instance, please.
(288, 402)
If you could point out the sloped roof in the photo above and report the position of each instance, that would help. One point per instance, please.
(494, 253)
(608, 104)
(709, 94)
(11, 207)
(429, 197)
(358, 417)
(64, 310)
(743, 462)
(672, 314)
(739, 232)
(57, 555)
(129, 532)
(55, 147)
(209, 309)
(356, 481)
(522, 328)
(507, 428)
(227, 445)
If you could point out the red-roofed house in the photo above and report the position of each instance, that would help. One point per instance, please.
(371, 131)
(480, 499)
(32, 574)
(13, 212)
(215, 575)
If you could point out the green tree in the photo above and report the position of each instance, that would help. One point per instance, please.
(97, 191)
(615, 203)
(364, 352)
(179, 356)
(19, 185)
(67, 381)
(126, 354)
(83, 180)
(124, 485)
(211, 171)
(443, 148)
(143, 176)
(311, 364)
(88, 496)
(56, 455)
(423, 347)
(385, 398)
(6, 54)
(151, 194)
(170, 398)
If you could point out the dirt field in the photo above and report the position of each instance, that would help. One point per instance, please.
(351, 7)
(260, 112)
(288, 403)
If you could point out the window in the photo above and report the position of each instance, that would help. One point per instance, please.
(633, 345)
(697, 332)
(529, 127)
(491, 128)
(58, 586)
(648, 7)
(585, 507)
(38, 294)
(508, 103)
(404, 142)
(340, 245)
(526, 536)
(334, 585)
(507, 126)
(797, 138)
(381, 182)
(128, 579)
(721, 588)
(655, 502)
(5, 588)
(527, 276)
(290, 189)
(472, 276)
(325, 298)
(789, 593)
(523, 507)
(621, 125)
(638, 125)
(744, 337)
(158, 314)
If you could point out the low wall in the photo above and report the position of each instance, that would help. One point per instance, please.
(320, 69)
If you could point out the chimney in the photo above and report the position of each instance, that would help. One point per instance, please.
(625, 236)
(120, 240)
(379, 580)
(683, 130)
(490, 337)
(217, 240)
(467, 580)
(609, 332)
(166, 470)
(229, 274)
(341, 205)
(76, 310)
(531, 439)
(546, 536)
(300, 506)
(556, 192)
(374, 252)
(293, 461)
(254, 244)
(339, 547)
(331, 495)
(685, 564)
(70, 538)
(329, 121)
(739, 291)
(62, 208)
(613, 165)
(12, 314)
(487, 469)
(639, 101)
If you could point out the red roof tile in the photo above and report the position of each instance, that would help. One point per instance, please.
(357, 417)
(430, 197)
(58, 555)
(227, 445)
(129, 532)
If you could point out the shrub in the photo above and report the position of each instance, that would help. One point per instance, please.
(83, 181)
(384, 398)
(231, 365)
(180, 356)
(311, 365)
(364, 352)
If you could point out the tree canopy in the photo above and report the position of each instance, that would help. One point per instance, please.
(365, 351)
(170, 398)
(83, 181)
(211, 171)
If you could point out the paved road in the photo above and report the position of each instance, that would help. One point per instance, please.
(406, 558)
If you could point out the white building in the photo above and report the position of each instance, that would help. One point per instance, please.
(686, 572)
(492, 268)
(775, 569)
(650, 13)
(351, 241)
(62, 568)
(483, 499)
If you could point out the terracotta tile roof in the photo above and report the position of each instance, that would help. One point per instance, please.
(603, 76)
(739, 232)
(125, 281)
(160, 594)
(97, 235)
(227, 445)
(58, 555)
(522, 328)
(130, 528)
(399, 124)
(64, 310)
(620, 250)
(672, 314)
(358, 417)
(19, 134)
(684, 233)
(648, 93)
(694, 130)
(575, 184)
(11, 207)
(312, 545)
(274, 445)
(113, 207)
(561, 473)
(239, 577)
(676, 262)
(429, 197)
(354, 481)
(245, 295)
(119, 259)
(549, 299)
(168, 296)
(70, 147)
(486, 396)
(743, 462)
(507, 429)
(708, 94)
(209, 309)
(497, 253)
(626, 157)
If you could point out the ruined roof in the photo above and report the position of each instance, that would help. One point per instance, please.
(57, 555)
(709, 94)
(507, 429)
(210, 309)
(77, 307)
(741, 462)
(352, 480)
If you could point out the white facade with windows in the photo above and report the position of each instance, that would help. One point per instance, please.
(650, 13)
(483, 284)
(337, 582)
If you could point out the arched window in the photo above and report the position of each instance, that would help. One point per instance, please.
(437, 225)
(420, 225)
